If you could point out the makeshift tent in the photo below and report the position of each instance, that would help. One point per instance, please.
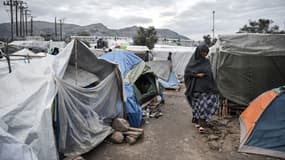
(137, 50)
(57, 44)
(22, 56)
(10, 49)
(25, 55)
(38, 45)
(139, 83)
(245, 65)
(180, 56)
(263, 124)
(171, 83)
(166, 76)
(27, 52)
(81, 113)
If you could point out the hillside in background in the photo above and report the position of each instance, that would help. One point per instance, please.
(98, 29)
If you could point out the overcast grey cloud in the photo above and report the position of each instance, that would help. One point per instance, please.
(192, 18)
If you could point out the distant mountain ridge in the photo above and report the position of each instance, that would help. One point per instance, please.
(98, 29)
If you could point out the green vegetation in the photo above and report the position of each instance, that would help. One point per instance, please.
(261, 26)
(146, 37)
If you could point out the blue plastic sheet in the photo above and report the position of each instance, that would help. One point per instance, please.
(126, 60)
(132, 106)
(172, 81)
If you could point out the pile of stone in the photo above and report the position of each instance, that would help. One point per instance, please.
(124, 133)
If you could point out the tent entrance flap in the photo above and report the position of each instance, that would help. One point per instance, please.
(145, 88)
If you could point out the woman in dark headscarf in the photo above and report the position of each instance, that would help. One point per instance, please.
(201, 90)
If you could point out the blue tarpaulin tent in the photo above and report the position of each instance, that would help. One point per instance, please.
(131, 67)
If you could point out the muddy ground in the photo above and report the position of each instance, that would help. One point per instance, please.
(173, 137)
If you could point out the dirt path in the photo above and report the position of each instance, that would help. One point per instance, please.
(173, 137)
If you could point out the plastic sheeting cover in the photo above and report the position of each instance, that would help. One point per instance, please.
(126, 60)
(253, 44)
(9, 147)
(160, 68)
(133, 108)
(172, 82)
(246, 65)
(31, 44)
(79, 76)
(83, 114)
(180, 56)
(25, 110)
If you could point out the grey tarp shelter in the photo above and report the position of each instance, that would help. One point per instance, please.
(39, 95)
(246, 65)
(166, 76)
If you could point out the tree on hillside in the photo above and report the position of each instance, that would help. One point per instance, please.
(209, 41)
(83, 33)
(260, 26)
(46, 36)
(146, 37)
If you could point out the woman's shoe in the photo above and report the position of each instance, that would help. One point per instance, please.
(197, 126)
(194, 120)
(202, 130)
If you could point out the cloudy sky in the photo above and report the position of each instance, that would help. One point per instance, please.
(192, 18)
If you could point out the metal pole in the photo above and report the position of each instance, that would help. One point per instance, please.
(20, 11)
(16, 8)
(213, 25)
(10, 3)
(7, 57)
(31, 25)
(60, 24)
(11, 9)
(21, 20)
(26, 21)
(55, 28)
